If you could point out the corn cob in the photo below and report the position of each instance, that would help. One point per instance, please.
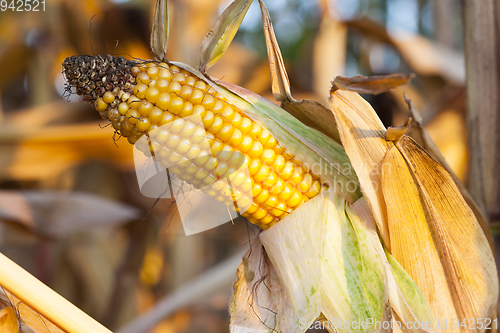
(140, 97)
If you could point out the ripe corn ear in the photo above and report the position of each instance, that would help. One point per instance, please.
(139, 97)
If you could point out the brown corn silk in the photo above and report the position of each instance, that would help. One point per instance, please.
(140, 97)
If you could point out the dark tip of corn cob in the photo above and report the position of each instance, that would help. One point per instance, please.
(94, 76)
(159, 100)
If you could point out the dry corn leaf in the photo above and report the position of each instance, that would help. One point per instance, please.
(375, 84)
(309, 112)
(218, 39)
(8, 320)
(59, 214)
(396, 133)
(430, 230)
(423, 138)
(160, 30)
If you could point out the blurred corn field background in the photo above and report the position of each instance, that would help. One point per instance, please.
(71, 212)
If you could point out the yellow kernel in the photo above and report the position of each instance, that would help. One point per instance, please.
(188, 129)
(246, 125)
(260, 213)
(236, 138)
(256, 189)
(152, 127)
(236, 121)
(216, 125)
(228, 114)
(266, 220)
(226, 154)
(199, 136)
(287, 191)
(135, 71)
(222, 168)
(108, 97)
(162, 85)
(216, 147)
(152, 84)
(172, 141)
(264, 136)
(163, 101)
(262, 174)
(100, 105)
(113, 115)
(254, 166)
(166, 118)
(210, 138)
(165, 74)
(197, 96)
(279, 209)
(306, 183)
(143, 124)
(211, 164)
(140, 90)
(176, 105)
(190, 81)
(183, 146)
(208, 102)
(294, 199)
(268, 156)
(208, 119)
(288, 170)
(152, 94)
(245, 144)
(155, 115)
(179, 77)
(225, 132)
(271, 143)
(279, 149)
(256, 149)
(218, 107)
(132, 116)
(133, 102)
(278, 186)
(262, 196)
(193, 152)
(145, 108)
(127, 126)
(270, 180)
(132, 139)
(255, 131)
(177, 125)
(313, 190)
(253, 208)
(173, 158)
(123, 108)
(199, 110)
(186, 92)
(187, 110)
(297, 175)
(143, 78)
(271, 202)
(279, 163)
(174, 88)
(202, 159)
(200, 85)
(153, 72)
(201, 174)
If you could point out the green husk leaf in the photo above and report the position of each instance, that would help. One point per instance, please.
(160, 30)
(220, 37)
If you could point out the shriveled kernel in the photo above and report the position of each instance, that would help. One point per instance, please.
(127, 126)
(152, 94)
(135, 71)
(100, 105)
(108, 97)
(132, 139)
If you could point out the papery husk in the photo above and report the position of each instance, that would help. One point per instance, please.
(8, 320)
(160, 30)
(426, 224)
(326, 266)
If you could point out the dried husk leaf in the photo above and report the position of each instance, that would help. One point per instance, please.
(218, 39)
(160, 30)
(8, 320)
(423, 138)
(465, 252)
(396, 133)
(375, 84)
(425, 215)
(362, 135)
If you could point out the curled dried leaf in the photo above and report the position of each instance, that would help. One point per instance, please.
(160, 30)
(375, 84)
(396, 133)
